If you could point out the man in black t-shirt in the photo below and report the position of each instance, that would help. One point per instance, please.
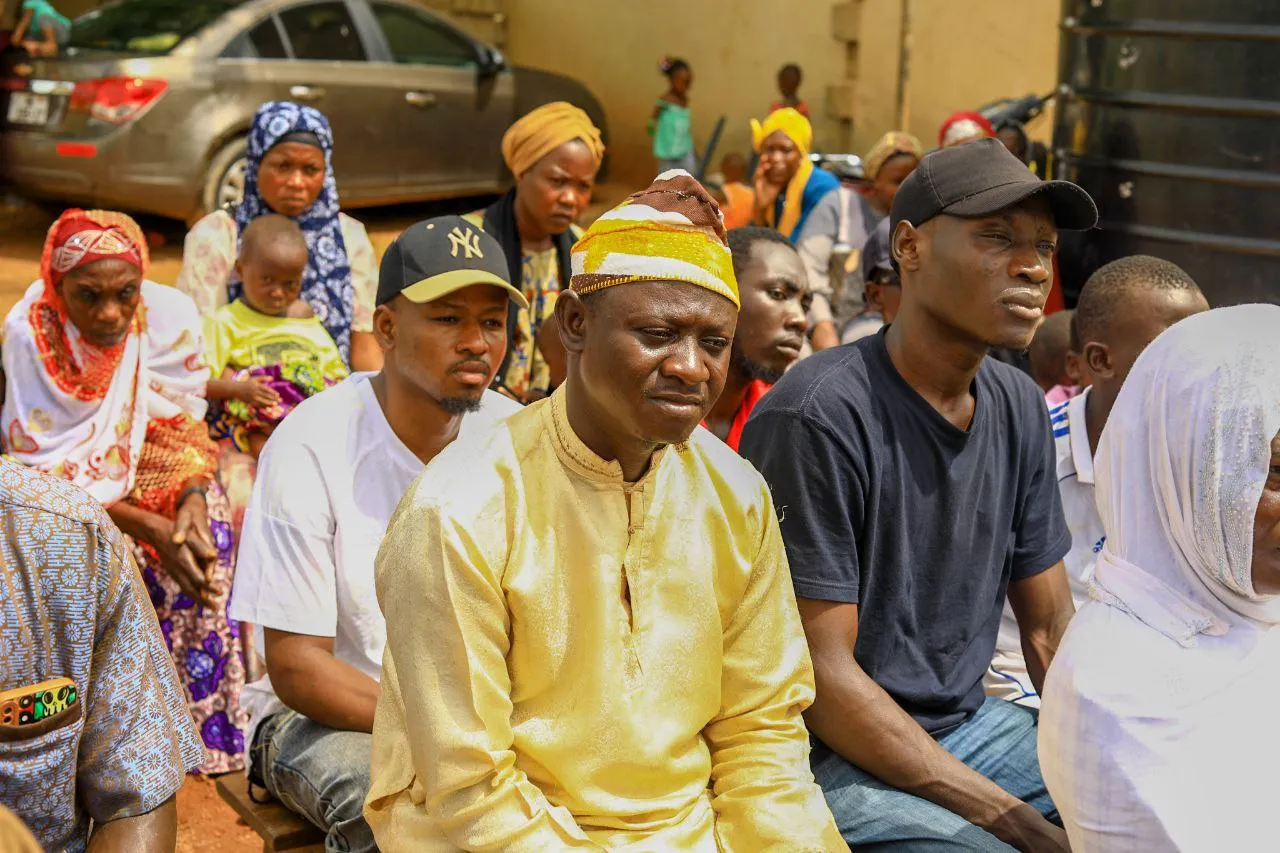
(915, 480)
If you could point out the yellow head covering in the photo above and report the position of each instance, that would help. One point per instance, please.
(545, 129)
(890, 145)
(672, 231)
(798, 130)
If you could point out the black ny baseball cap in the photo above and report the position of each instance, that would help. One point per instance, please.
(435, 257)
(981, 178)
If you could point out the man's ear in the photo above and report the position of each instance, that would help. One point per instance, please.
(1097, 360)
(571, 317)
(905, 244)
(384, 326)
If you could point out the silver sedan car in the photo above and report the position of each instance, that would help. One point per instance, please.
(148, 107)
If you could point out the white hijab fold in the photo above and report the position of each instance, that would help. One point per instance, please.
(95, 443)
(1180, 468)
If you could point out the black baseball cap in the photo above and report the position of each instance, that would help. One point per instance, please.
(435, 257)
(981, 178)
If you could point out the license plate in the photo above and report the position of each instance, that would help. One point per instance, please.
(29, 109)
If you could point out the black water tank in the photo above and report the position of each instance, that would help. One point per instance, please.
(1169, 115)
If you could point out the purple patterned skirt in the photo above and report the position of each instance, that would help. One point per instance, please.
(205, 645)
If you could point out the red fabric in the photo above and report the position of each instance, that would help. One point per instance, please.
(977, 118)
(77, 238)
(755, 391)
(81, 237)
(1056, 302)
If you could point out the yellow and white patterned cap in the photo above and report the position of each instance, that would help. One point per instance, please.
(671, 231)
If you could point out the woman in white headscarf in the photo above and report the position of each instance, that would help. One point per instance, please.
(1158, 725)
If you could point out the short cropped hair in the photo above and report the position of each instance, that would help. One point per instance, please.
(741, 241)
(271, 229)
(1109, 290)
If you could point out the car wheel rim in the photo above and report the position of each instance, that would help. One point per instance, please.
(231, 189)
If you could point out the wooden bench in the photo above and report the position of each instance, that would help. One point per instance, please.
(280, 829)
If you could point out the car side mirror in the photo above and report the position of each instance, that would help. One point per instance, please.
(490, 60)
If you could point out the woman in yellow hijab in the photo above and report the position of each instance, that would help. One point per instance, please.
(554, 153)
(787, 185)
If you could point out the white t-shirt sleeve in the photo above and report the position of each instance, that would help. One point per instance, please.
(286, 569)
(494, 409)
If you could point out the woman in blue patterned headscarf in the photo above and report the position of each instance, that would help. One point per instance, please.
(290, 160)
(289, 171)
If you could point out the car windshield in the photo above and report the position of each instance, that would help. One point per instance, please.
(144, 26)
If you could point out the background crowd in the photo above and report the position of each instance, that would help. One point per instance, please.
(359, 494)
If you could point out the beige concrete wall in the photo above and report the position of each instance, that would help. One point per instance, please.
(734, 46)
(964, 53)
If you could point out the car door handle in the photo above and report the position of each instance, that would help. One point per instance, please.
(422, 100)
(306, 93)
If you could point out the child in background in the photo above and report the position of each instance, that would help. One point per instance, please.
(882, 293)
(740, 198)
(671, 126)
(266, 351)
(42, 30)
(789, 79)
(1049, 355)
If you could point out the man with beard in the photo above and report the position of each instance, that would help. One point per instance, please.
(328, 481)
(591, 638)
(774, 290)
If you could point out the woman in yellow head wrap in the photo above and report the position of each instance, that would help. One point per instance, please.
(554, 153)
(787, 185)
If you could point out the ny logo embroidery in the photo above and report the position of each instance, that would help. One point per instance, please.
(468, 243)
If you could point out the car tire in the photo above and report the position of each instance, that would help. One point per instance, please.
(224, 179)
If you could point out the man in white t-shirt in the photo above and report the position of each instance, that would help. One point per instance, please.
(327, 483)
(1123, 307)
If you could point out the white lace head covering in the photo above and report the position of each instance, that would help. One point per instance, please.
(1180, 468)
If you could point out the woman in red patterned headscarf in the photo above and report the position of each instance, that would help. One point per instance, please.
(104, 380)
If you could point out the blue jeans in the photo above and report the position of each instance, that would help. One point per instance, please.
(321, 774)
(999, 741)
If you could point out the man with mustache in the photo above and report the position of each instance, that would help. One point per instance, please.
(328, 480)
(591, 638)
(919, 481)
(774, 290)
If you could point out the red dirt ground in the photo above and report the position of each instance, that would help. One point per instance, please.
(208, 825)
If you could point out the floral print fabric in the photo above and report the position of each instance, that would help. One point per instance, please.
(205, 645)
(72, 605)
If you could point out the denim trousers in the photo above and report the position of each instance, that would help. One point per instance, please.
(319, 773)
(999, 741)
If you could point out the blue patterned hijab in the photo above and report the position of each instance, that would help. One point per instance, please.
(326, 283)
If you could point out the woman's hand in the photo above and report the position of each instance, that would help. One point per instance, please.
(186, 550)
(766, 193)
(178, 559)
